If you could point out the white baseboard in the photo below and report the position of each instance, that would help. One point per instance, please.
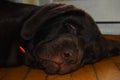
(110, 28)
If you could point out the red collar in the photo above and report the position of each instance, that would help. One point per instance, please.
(22, 50)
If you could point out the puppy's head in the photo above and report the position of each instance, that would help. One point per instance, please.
(56, 34)
(61, 55)
(57, 47)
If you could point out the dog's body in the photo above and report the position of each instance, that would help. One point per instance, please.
(12, 17)
(58, 38)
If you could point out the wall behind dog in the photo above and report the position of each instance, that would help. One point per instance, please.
(106, 13)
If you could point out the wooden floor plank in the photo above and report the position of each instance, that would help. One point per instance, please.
(107, 70)
(16, 73)
(36, 74)
(85, 73)
(59, 77)
(3, 72)
(116, 59)
(115, 37)
(118, 66)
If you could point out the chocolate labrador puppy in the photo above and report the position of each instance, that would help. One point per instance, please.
(57, 38)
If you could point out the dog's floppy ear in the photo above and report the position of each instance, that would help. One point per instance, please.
(41, 16)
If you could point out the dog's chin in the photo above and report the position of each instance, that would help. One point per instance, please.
(51, 67)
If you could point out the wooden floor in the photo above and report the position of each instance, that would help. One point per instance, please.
(107, 69)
